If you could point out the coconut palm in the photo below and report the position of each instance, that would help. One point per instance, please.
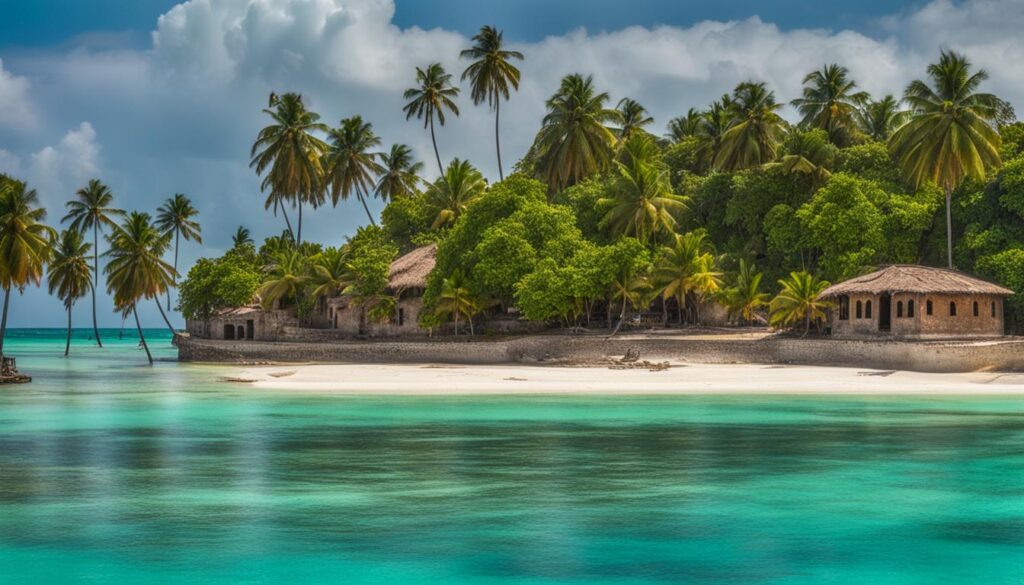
(629, 289)
(744, 298)
(754, 131)
(177, 216)
(808, 153)
(330, 273)
(830, 102)
(454, 301)
(430, 99)
(242, 237)
(574, 140)
(69, 274)
(291, 156)
(682, 127)
(491, 75)
(878, 120)
(351, 164)
(400, 177)
(452, 193)
(685, 267)
(25, 242)
(799, 300)
(714, 123)
(634, 118)
(92, 211)
(642, 204)
(136, 269)
(286, 277)
(949, 136)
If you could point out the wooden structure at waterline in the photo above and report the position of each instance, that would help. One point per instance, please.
(9, 372)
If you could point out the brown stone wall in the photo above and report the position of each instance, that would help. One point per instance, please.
(939, 325)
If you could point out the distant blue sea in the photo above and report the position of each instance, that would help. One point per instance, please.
(115, 472)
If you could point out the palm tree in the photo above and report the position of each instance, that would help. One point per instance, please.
(808, 153)
(880, 119)
(69, 274)
(137, 270)
(177, 216)
(400, 176)
(330, 273)
(685, 267)
(949, 136)
(634, 118)
(744, 298)
(798, 301)
(286, 277)
(452, 193)
(753, 135)
(631, 289)
(574, 140)
(434, 95)
(92, 210)
(491, 74)
(830, 102)
(351, 166)
(682, 127)
(25, 242)
(291, 155)
(643, 204)
(242, 237)
(454, 300)
(714, 123)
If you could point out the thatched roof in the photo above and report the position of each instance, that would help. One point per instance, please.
(909, 278)
(411, 270)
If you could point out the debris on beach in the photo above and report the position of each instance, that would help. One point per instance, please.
(283, 374)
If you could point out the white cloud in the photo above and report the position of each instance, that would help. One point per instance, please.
(57, 171)
(16, 109)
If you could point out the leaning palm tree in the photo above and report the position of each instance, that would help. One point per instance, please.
(92, 210)
(400, 176)
(242, 237)
(137, 269)
(177, 216)
(574, 140)
(25, 242)
(290, 155)
(634, 118)
(643, 204)
(69, 274)
(830, 102)
(950, 136)
(744, 298)
(753, 135)
(878, 120)
(351, 164)
(450, 195)
(799, 300)
(682, 127)
(491, 75)
(430, 99)
(686, 267)
(287, 277)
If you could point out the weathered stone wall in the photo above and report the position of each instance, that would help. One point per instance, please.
(940, 324)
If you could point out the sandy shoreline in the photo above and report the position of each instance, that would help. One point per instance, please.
(438, 379)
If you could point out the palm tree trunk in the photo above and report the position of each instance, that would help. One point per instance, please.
(166, 320)
(497, 140)
(287, 222)
(949, 227)
(664, 311)
(298, 237)
(362, 199)
(174, 277)
(682, 303)
(95, 277)
(622, 317)
(470, 318)
(142, 338)
(456, 323)
(67, 344)
(437, 153)
(3, 320)
(807, 328)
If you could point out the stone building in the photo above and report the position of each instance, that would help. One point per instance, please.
(250, 322)
(916, 302)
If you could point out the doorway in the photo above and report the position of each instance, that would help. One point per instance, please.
(250, 329)
(885, 313)
(229, 331)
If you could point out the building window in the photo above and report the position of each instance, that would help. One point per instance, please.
(910, 309)
(867, 310)
(401, 317)
(976, 312)
(899, 309)
(952, 309)
(844, 308)
(860, 310)
(928, 308)
(993, 309)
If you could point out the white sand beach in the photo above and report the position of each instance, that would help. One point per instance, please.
(436, 379)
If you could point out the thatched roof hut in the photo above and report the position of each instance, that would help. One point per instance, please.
(411, 270)
(909, 278)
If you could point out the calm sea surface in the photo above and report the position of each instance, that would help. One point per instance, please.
(114, 472)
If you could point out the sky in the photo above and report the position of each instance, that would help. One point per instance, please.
(157, 97)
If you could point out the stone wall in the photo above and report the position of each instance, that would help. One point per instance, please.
(940, 324)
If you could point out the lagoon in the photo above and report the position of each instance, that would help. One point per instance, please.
(114, 472)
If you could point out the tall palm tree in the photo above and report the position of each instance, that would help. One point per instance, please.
(634, 118)
(452, 193)
(491, 74)
(137, 269)
(92, 210)
(574, 140)
(682, 127)
(177, 216)
(291, 156)
(714, 123)
(753, 135)
(830, 102)
(799, 300)
(287, 277)
(70, 275)
(950, 136)
(351, 164)
(642, 204)
(430, 99)
(808, 153)
(242, 237)
(744, 298)
(400, 176)
(878, 120)
(25, 242)
(687, 266)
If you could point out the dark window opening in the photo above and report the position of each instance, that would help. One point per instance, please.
(867, 310)
(910, 309)
(899, 309)
(401, 317)
(860, 310)
(844, 308)
(952, 309)
(928, 308)
(993, 309)
(229, 332)
(976, 312)
(250, 329)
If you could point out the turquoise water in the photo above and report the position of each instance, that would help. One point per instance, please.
(114, 472)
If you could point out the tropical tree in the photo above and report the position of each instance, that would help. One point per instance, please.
(744, 298)
(290, 155)
(286, 277)
(455, 300)
(25, 242)
(634, 118)
(574, 140)
(351, 166)
(686, 267)
(629, 289)
(242, 237)
(714, 123)
(451, 194)
(949, 136)
(642, 204)
(754, 131)
(799, 300)
(92, 210)
(330, 273)
(69, 275)
(400, 175)
(830, 102)
(177, 216)
(686, 126)
(491, 74)
(430, 99)
(807, 153)
(136, 269)
(878, 120)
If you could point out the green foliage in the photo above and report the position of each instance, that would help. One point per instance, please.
(405, 220)
(799, 301)
(546, 293)
(218, 283)
(582, 198)
(843, 223)
(370, 254)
